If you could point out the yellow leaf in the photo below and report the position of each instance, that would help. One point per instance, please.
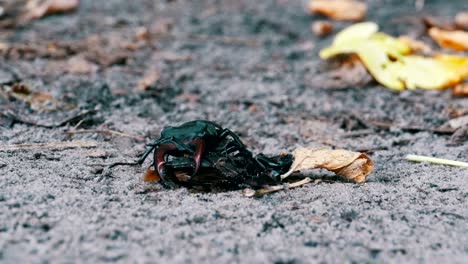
(389, 62)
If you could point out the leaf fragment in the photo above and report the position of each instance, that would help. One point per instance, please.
(461, 20)
(39, 8)
(346, 10)
(321, 28)
(354, 166)
(150, 78)
(460, 89)
(150, 175)
(455, 40)
(415, 45)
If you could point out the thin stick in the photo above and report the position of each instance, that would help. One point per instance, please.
(50, 145)
(106, 131)
(250, 192)
(418, 158)
(19, 119)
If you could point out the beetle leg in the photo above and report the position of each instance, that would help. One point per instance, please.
(226, 132)
(199, 149)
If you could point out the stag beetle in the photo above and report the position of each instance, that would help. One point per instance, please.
(233, 171)
(199, 138)
(194, 138)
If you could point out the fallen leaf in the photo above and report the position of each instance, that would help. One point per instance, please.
(460, 89)
(98, 153)
(460, 136)
(461, 20)
(354, 166)
(39, 8)
(150, 175)
(79, 65)
(37, 100)
(390, 63)
(148, 80)
(455, 40)
(458, 122)
(321, 28)
(347, 10)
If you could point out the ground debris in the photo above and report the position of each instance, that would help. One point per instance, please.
(105, 131)
(416, 46)
(39, 8)
(49, 145)
(36, 100)
(460, 89)
(338, 9)
(21, 12)
(455, 40)
(321, 28)
(461, 20)
(150, 78)
(341, 73)
(16, 118)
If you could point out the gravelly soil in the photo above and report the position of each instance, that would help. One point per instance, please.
(250, 66)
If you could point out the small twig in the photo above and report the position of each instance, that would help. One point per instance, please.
(105, 131)
(413, 129)
(229, 40)
(421, 190)
(133, 163)
(19, 119)
(418, 158)
(358, 133)
(50, 145)
(371, 150)
(250, 192)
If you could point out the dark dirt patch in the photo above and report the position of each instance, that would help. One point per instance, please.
(246, 65)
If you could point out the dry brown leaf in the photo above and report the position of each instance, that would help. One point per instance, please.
(347, 10)
(461, 20)
(458, 122)
(321, 28)
(39, 8)
(37, 100)
(415, 45)
(150, 175)
(354, 166)
(149, 79)
(456, 40)
(460, 89)
(79, 65)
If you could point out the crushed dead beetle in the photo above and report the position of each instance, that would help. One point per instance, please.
(203, 154)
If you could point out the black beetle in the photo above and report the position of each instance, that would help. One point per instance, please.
(200, 138)
(217, 152)
(231, 171)
(195, 138)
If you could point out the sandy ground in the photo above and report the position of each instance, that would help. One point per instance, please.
(250, 66)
